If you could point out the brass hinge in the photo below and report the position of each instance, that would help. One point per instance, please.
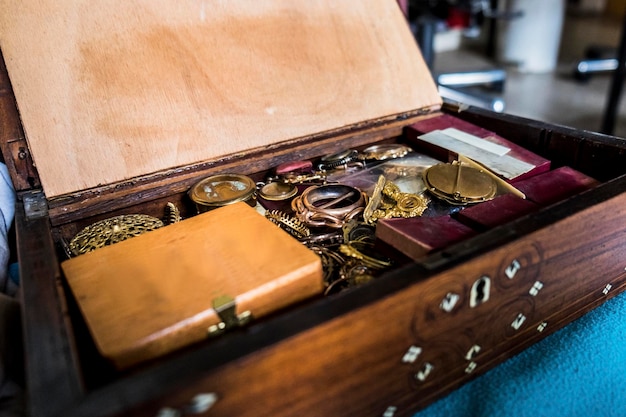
(26, 176)
(35, 204)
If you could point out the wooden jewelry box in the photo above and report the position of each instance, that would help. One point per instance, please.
(124, 106)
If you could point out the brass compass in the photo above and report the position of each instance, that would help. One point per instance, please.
(459, 184)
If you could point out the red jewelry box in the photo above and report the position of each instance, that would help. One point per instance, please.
(502, 209)
(417, 236)
(555, 185)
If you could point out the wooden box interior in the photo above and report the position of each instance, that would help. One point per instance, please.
(97, 388)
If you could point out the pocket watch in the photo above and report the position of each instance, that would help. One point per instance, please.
(337, 160)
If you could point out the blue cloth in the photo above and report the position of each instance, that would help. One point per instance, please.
(11, 393)
(579, 371)
(7, 212)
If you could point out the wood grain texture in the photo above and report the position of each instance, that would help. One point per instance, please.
(112, 90)
(152, 294)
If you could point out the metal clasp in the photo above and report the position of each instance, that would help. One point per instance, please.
(35, 204)
(226, 308)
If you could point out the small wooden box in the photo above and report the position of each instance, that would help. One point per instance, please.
(123, 106)
(163, 297)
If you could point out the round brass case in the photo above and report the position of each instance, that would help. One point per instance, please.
(278, 191)
(459, 184)
(221, 190)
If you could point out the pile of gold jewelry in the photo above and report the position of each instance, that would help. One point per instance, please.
(351, 261)
(388, 201)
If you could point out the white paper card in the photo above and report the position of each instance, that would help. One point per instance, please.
(476, 141)
(506, 166)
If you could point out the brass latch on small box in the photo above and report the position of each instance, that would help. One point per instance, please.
(226, 308)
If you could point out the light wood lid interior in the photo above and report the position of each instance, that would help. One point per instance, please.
(111, 90)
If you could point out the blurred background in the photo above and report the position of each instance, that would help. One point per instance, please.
(549, 60)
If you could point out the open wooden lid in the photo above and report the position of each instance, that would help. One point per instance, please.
(108, 91)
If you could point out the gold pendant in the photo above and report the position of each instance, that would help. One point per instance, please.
(388, 202)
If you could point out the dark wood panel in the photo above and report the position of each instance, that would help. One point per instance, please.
(52, 375)
(605, 161)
